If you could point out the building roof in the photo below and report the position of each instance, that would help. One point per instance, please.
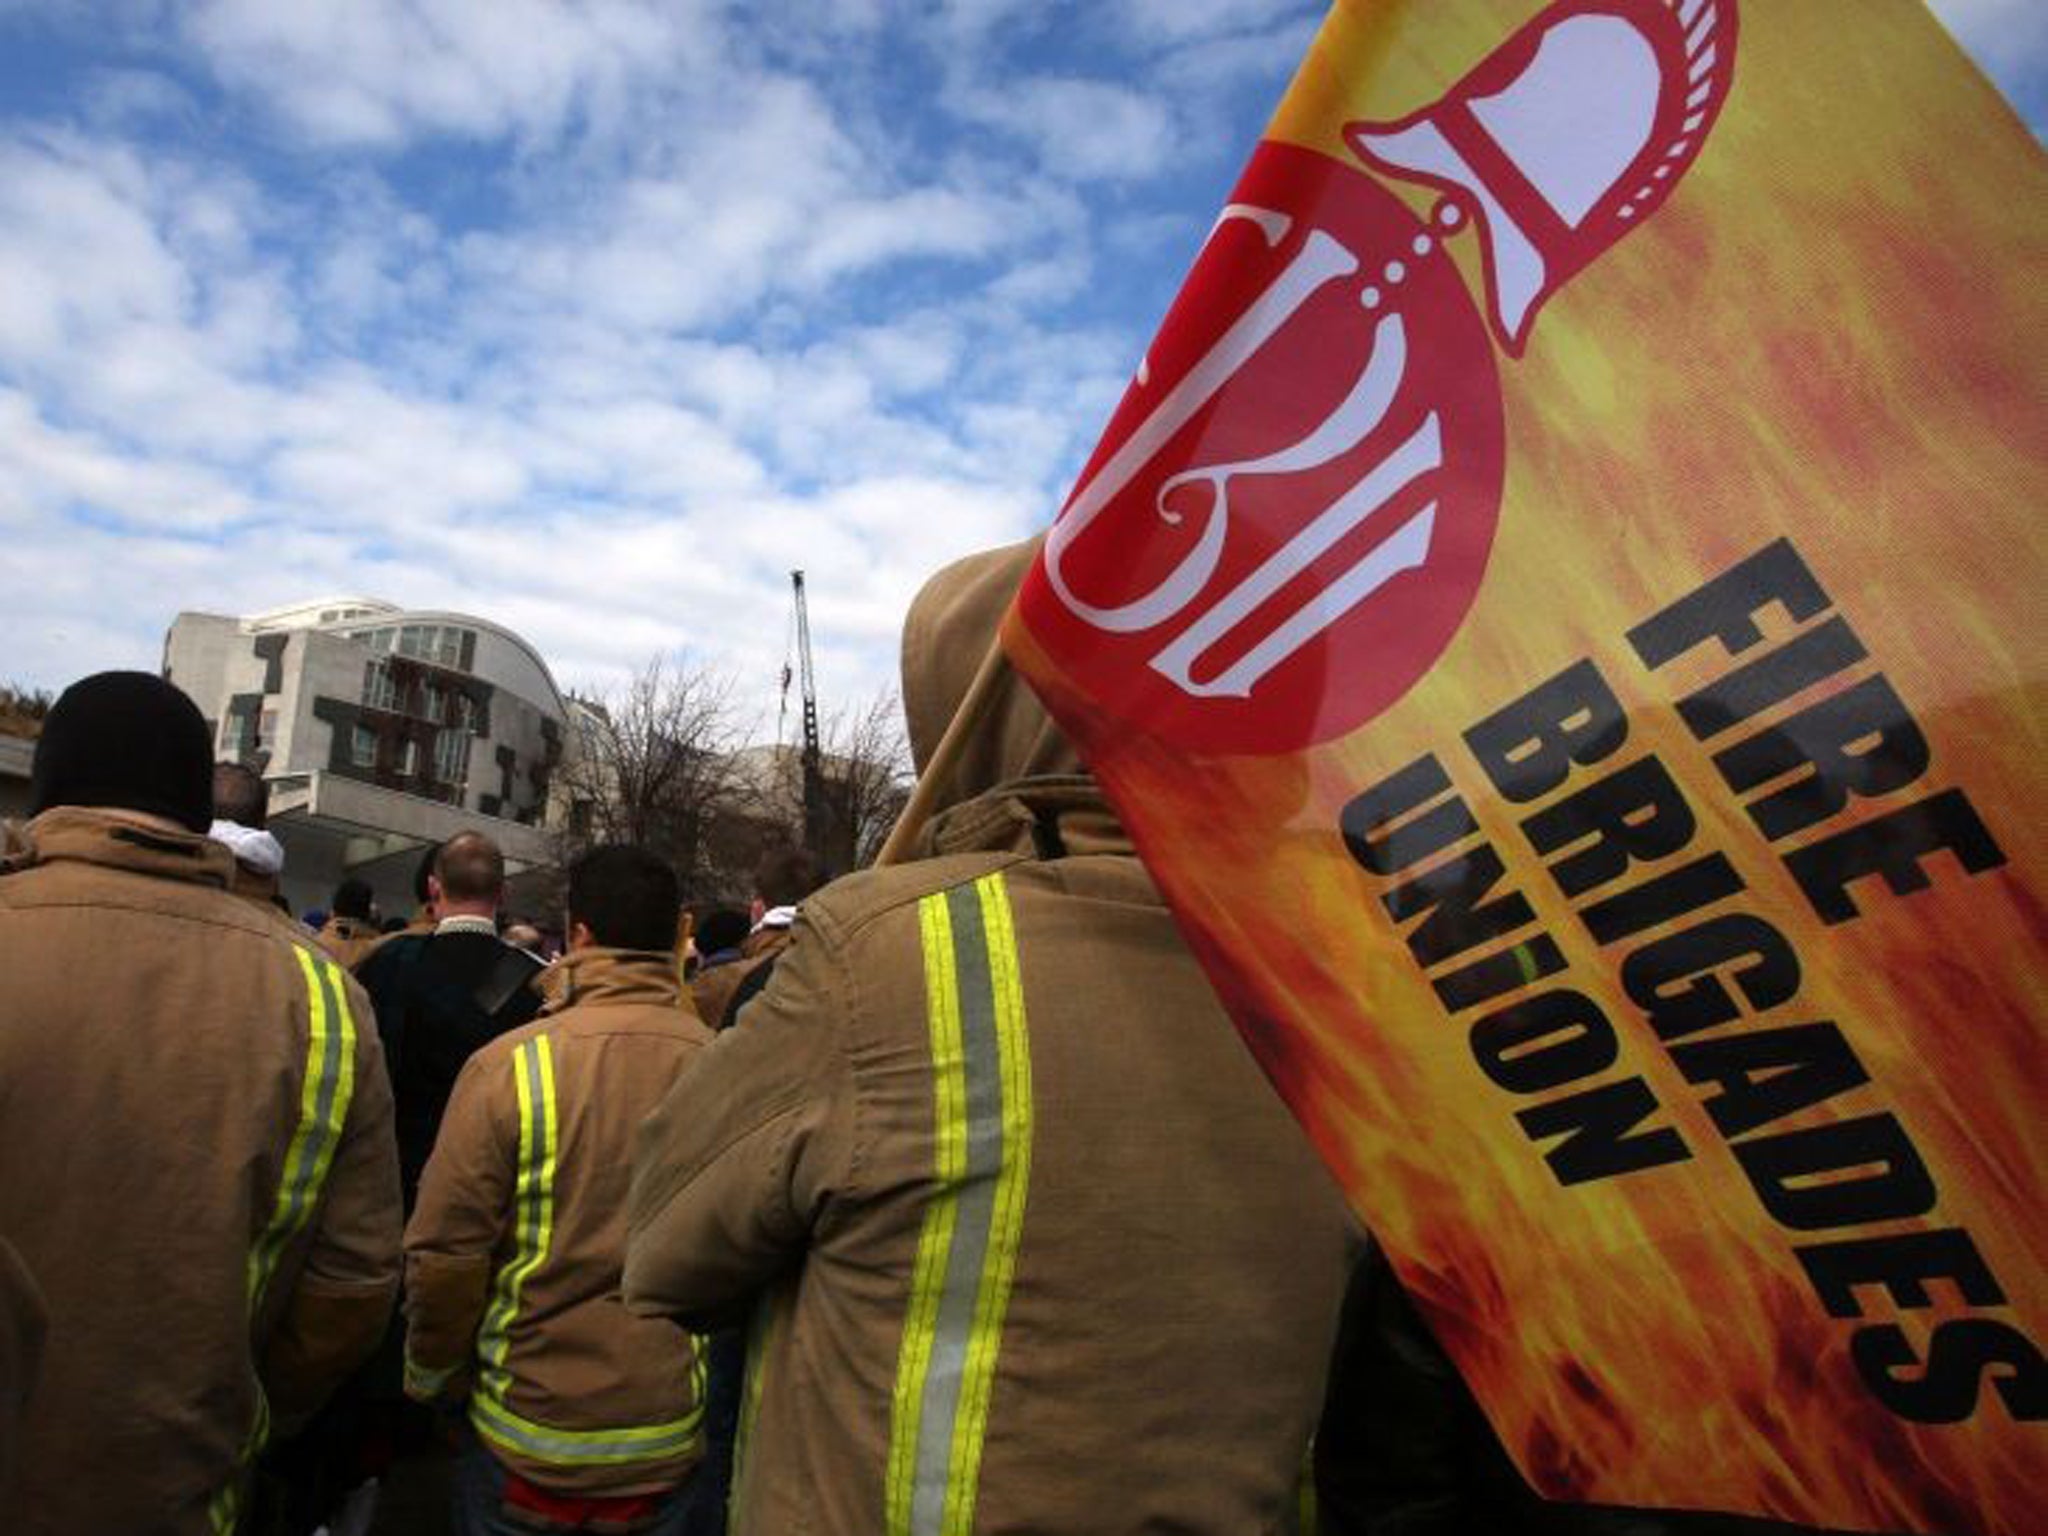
(347, 614)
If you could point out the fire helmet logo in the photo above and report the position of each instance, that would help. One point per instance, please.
(1290, 514)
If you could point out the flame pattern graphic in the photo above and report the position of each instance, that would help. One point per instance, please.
(1834, 331)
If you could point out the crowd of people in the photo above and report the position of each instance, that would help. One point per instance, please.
(942, 1199)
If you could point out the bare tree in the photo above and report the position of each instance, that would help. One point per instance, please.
(652, 762)
(23, 710)
(867, 774)
(863, 781)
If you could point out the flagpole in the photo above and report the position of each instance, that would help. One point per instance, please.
(967, 719)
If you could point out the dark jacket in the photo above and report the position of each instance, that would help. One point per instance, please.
(1403, 1449)
(439, 996)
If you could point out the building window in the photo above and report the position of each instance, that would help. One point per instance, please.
(435, 708)
(380, 689)
(451, 757)
(266, 730)
(408, 758)
(362, 747)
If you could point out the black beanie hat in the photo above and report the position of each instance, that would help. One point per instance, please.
(128, 740)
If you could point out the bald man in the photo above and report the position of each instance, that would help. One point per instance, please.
(441, 994)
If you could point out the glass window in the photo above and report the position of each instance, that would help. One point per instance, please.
(436, 706)
(451, 757)
(380, 689)
(408, 758)
(266, 730)
(362, 747)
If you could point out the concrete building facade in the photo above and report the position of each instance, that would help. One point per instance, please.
(380, 731)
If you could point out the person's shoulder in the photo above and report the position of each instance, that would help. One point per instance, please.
(495, 1054)
(390, 948)
(850, 906)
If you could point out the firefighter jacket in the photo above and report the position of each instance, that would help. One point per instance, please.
(514, 1251)
(348, 939)
(1033, 1245)
(22, 1324)
(718, 987)
(212, 1208)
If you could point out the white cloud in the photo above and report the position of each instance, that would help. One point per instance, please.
(1077, 129)
(595, 319)
(377, 72)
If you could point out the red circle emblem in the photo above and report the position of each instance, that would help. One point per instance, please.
(1291, 511)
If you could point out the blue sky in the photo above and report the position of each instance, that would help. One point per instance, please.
(595, 318)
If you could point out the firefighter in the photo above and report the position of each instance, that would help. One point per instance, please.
(1035, 1245)
(196, 1152)
(582, 1413)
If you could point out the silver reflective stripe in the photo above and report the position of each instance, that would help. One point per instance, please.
(975, 1201)
(573, 1447)
(967, 1249)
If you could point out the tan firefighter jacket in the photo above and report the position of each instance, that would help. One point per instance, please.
(713, 990)
(1034, 1246)
(514, 1251)
(348, 939)
(210, 1203)
(23, 1320)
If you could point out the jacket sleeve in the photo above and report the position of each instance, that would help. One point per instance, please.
(739, 1163)
(338, 1309)
(464, 1209)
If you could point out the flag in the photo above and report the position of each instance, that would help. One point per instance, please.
(1560, 608)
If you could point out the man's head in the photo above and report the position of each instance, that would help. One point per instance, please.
(127, 741)
(785, 876)
(353, 898)
(722, 929)
(240, 796)
(468, 878)
(623, 897)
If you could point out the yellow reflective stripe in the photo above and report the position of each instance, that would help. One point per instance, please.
(1006, 1225)
(935, 1239)
(967, 1244)
(585, 1447)
(424, 1383)
(533, 1204)
(324, 1098)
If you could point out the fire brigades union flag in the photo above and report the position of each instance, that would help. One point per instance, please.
(1560, 609)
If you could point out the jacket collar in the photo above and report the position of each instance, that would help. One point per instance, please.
(130, 840)
(1050, 817)
(612, 976)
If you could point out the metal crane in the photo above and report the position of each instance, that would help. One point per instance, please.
(816, 832)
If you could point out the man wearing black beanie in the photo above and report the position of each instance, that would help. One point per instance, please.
(127, 740)
(197, 1161)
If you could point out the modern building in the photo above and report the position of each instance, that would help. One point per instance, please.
(17, 757)
(381, 731)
